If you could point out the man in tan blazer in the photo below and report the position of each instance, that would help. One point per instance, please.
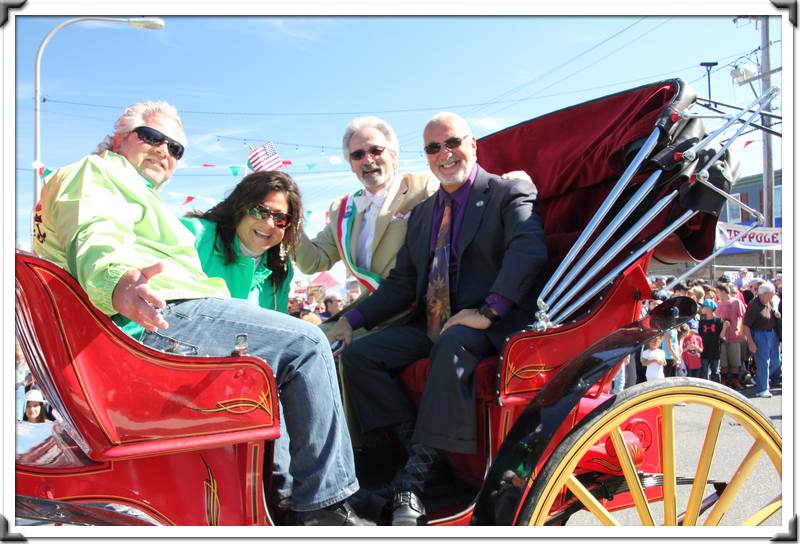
(366, 228)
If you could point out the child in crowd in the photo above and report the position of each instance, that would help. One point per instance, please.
(712, 330)
(691, 348)
(653, 359)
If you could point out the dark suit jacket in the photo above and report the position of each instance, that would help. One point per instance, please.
(501, 250)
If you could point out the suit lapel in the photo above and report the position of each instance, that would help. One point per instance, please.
(476, 204)
(394, 197)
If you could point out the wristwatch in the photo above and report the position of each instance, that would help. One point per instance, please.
(486, 311)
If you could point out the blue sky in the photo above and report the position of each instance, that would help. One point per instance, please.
(299, 80)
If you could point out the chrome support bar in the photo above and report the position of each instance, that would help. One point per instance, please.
(609, 278)
(760, 102)
(609, 231)
(643, 153)
(759, 221)
(615, 250)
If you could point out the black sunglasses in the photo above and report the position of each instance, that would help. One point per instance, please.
(279, 219)
(375, 151)
(451, 143)
(154, 137)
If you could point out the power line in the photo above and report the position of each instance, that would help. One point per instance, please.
(558, 66)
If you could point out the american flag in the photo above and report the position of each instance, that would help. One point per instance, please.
(264, 157)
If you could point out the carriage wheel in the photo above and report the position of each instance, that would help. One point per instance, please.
(704, 485)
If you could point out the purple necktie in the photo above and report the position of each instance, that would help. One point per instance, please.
(437, 296)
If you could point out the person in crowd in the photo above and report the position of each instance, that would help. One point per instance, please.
(712, 330)
(654, 359)
(368, 227)
(102, 219)
(731, 311)
(248, 237)
(672, 350)
(295, 305)
(469, 269)
(22, 379)
(742, 278)
(34, 407)
(333, 305)
(759, 323)
(680, 290)
(310, 317)
(751, 290)
(691, 349)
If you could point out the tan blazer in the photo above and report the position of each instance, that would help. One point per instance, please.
(322, 252)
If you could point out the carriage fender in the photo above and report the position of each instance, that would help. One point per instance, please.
(528, 440)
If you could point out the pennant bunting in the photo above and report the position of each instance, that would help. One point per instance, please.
(311, 165)
(188, 199)
(234, 170)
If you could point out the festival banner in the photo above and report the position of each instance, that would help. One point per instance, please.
(758, 239)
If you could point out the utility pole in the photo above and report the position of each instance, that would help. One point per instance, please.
(768, 185)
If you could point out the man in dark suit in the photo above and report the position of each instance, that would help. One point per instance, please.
(469, 270)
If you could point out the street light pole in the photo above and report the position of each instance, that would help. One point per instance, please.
(708, 66)
(136, 22)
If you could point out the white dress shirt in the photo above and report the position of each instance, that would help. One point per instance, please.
(372, 204)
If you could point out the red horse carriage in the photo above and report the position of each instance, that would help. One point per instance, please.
(147, 437)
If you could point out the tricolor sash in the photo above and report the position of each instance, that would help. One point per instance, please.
(344, 231)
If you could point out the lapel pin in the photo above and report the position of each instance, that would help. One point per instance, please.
(479, 203)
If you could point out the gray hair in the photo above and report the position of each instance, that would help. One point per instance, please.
(135, 115)
(766, 287)
(360, 123)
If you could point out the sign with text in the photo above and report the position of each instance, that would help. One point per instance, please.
(761, 238)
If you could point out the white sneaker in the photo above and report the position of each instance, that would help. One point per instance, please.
(764, 394)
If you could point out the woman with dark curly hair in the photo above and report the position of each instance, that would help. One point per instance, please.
(248, 238)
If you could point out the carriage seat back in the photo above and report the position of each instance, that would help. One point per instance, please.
(120, 399)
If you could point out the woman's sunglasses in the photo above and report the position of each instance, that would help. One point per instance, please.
(154, 137)
(279, 219)
(451, 143)
(375, 151)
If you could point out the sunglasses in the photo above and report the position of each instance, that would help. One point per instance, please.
(279, 219)
(154, 137)
(375, 151)
(451, 143)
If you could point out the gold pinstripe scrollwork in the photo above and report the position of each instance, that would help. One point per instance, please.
(242, 406)
(211, 496)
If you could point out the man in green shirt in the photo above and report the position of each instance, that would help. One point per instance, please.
(103, 220)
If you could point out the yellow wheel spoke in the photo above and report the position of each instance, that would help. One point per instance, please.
(590, 501)
(631, 477)
(703, 467)
(763, 515)
(735, 485)
(668, 443)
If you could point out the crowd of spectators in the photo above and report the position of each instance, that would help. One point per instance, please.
(718, 343)
(317, 307)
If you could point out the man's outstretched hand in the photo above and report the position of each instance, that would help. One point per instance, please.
(134, 299)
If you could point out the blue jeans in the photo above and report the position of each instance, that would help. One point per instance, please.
(710, 370)
(318, 463)
(768, 359)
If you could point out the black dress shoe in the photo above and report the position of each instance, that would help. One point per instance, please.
(339, 514)
(407, 508)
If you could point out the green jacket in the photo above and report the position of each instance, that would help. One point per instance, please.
(99, 217)
(242, 278)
